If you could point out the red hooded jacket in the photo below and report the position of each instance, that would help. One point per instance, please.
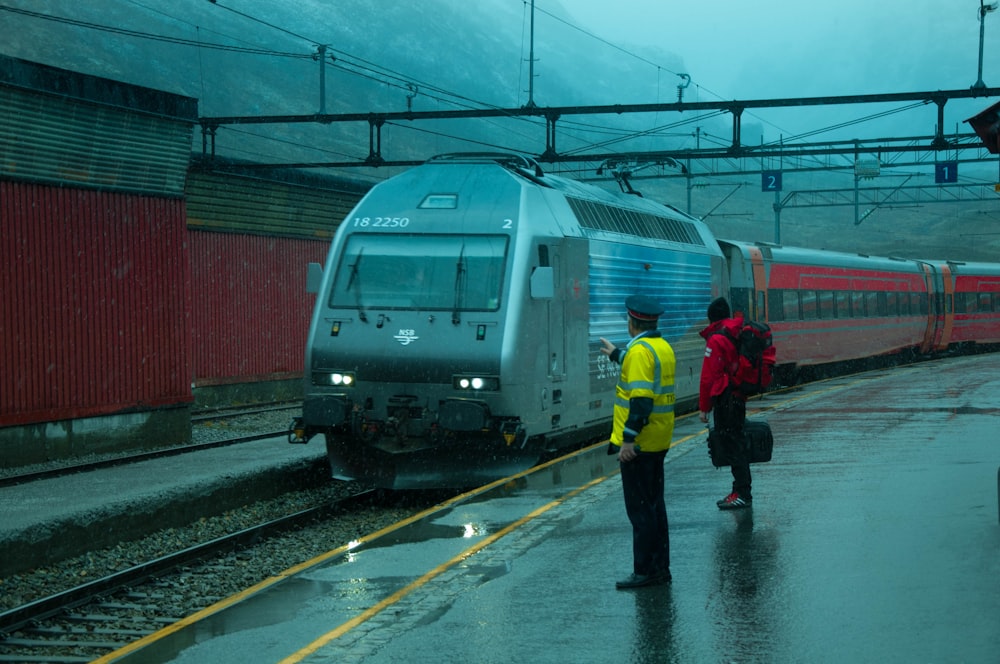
(721, 360)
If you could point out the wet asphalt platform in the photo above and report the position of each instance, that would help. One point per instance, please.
(873, 537)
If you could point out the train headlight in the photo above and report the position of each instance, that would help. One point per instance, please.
(476, 383)
(334, 378)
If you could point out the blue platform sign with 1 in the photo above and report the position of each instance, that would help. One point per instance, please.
(946, 171)
(770, 181)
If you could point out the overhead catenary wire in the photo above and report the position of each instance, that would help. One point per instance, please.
(372, 71)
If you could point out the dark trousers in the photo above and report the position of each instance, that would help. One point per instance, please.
(642, 481)
(730, 413)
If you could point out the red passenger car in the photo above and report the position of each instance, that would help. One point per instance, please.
(968, 311)
(831, 307)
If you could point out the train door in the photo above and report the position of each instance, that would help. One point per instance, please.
(553, 335)
(932, 284)
(567, 336)
(948, 308)
(556, 335)
(758, 304)
(940, 307)
(746, 279)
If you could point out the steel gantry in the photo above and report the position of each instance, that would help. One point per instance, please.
(552, 115)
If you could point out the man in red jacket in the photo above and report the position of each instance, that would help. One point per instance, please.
(719, 395)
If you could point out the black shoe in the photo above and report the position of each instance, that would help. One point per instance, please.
(640, 580)
(734, 501)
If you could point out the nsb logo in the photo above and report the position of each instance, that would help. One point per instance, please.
(406, 337)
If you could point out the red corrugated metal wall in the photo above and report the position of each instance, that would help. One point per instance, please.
(250, 310)
(94, 317)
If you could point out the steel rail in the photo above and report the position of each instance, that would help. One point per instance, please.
(47, 607)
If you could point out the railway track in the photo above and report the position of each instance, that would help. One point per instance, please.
(99, 616)
(61, 471)
(215, 414)
(56, 470)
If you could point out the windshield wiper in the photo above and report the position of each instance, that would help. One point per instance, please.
(459, 286)
(356, 278)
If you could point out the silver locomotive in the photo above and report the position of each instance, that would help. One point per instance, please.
(456, 332)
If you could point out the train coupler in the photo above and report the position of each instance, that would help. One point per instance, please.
(297, 432)
(513, 434)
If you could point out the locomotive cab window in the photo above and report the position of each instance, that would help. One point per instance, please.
(425, 272)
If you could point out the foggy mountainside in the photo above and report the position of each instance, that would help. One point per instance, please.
(437, 55)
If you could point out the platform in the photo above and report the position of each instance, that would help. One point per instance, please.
(873, 537)
(48, 521)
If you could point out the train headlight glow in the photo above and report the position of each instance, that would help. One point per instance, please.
(476, 383)
(335, 378)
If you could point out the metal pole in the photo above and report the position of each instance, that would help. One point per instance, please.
(856, 180)
(531, 61)
(982, 23)
(984, 9)
(777, 217)
(690, 179)
(322, 79)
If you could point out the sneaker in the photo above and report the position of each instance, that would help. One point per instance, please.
(640, 580)
(734, 502)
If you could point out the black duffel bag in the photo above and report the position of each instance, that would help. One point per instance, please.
(756, 436)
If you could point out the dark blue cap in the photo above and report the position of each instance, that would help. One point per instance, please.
(642, 307)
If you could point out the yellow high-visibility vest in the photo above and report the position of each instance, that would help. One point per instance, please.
(647, 370)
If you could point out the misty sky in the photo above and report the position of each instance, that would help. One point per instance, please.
(738, 49)
(773, 48)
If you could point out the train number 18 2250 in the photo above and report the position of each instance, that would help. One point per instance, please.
(381, 222)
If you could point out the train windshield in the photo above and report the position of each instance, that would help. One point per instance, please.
(426, 272)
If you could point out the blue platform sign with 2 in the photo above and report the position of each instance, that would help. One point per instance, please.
(770, 181)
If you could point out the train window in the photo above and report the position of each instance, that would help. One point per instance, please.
(971, 302)
(790, 305)
(892, 304)
(996, 301)
(922, 306)
(739, 300)
(843, 304)
(875, 304)
(858, 304)
(984, 302)
(777, 311)
(904, 303)
(961, 305)
(808, 298)
(826, 309)
(426, 272)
